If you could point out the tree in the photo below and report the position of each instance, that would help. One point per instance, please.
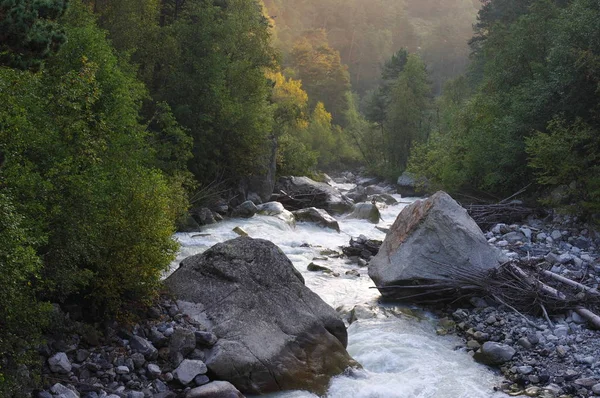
(82, 174)
(29, 32)
(218, 89)
(406, 115)
(322, 73)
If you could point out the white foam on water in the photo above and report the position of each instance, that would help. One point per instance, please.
(402, 356)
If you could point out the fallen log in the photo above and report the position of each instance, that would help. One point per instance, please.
(589, 316)
(571, 283)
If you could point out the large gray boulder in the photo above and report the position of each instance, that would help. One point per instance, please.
(317, 216)
(301, 192)
(273, 332)
(430, 240)
(366, 211)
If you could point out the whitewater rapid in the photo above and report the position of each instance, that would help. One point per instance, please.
(401, 353)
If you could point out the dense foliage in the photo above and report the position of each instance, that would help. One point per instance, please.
(29, 32)
(533, 112)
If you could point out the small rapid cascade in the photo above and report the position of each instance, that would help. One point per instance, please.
(401, 354)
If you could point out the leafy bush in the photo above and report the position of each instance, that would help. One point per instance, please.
(21, 315)
(569, 155)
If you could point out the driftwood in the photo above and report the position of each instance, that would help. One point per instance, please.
(488, 215)
(572, 283)
(589, 316)
(520, 285)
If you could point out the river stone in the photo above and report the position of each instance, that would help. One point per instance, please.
(59, 363)
(144, 347)
(492, 353)
(188, 370)
(203, 216)
(383, 198)
(319, 195)
(154, 370)
(366, 211)
(273, 332)
(245, 210)
(205, 339)
(63, 392)
(216, 389)
(312, 267)
(427, 235)
(277, 210)
(182, 341)
(318, 216)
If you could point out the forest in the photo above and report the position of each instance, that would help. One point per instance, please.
(116, 117)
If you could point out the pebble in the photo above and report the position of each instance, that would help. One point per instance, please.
(525, 370)
(188, 370)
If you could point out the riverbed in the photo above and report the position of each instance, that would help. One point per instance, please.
(398, 346)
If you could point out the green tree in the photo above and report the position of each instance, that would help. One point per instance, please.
(29, 32)
(218, 89)
(22, 317)
(406, 120)
(80, 168)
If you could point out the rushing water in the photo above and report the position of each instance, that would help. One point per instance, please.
(401, 354)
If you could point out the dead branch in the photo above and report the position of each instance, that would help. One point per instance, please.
(571, 283)
(589, 316)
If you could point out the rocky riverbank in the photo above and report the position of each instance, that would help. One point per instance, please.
(554, 357)
(160, 357)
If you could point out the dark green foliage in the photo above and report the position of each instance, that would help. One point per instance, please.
(568, 156)
(399, 113)
(539, 85)
(29, 32)
(81, 170)
(21, 316)
(218, 89)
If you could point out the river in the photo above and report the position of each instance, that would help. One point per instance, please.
(402, 355)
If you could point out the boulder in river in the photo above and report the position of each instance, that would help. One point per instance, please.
(318, 216)
(366, 211)
(273, 332)
(277, 210)
(301, 192)
(431, 240)
(245, 210)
